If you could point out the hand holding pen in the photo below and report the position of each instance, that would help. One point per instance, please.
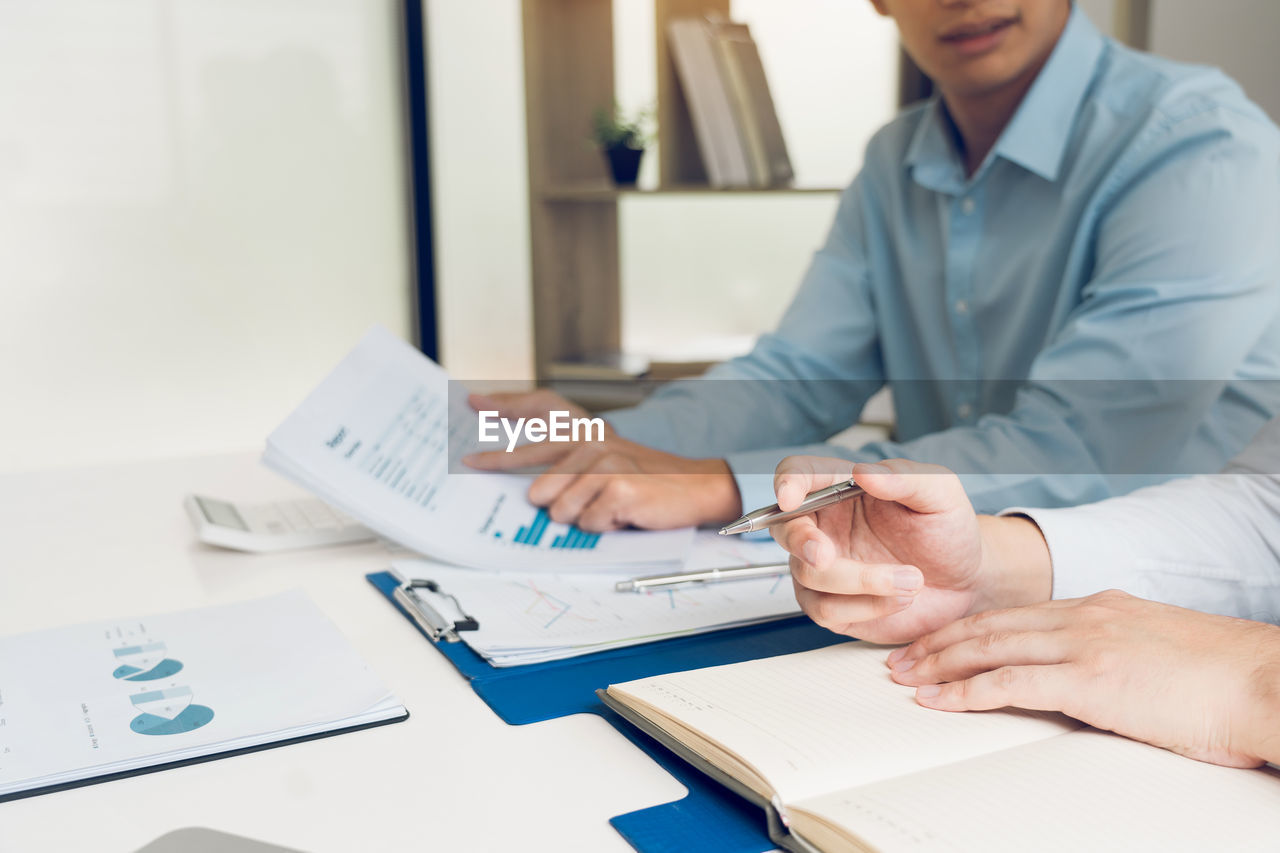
(771, 516)
(756, 520)
(902, 560)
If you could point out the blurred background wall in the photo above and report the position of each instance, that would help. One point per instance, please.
(204, 203)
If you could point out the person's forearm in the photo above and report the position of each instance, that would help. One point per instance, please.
(1260, 728)
(1015, 562)
(718, 499)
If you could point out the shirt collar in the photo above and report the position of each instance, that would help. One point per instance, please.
(1036, 137)
(931, 158)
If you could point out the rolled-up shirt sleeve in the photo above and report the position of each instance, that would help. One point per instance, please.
(1210, 542)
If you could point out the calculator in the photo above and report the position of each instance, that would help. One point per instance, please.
(275, 526)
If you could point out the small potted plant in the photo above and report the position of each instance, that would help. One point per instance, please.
(621, 139)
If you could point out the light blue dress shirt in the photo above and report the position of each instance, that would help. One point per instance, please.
(1126, 227)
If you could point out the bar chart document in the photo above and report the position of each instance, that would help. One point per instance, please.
(381, 438)
(96, 701)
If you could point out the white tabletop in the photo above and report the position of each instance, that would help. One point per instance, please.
(89, 544)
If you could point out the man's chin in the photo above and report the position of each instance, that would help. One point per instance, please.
(981, 79)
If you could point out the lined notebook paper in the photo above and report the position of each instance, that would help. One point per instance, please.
(848, 759)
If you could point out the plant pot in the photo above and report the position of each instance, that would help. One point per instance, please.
(624, 163)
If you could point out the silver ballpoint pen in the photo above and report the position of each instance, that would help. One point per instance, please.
(768, 516)
(732, 573)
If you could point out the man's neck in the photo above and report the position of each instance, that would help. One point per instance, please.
(979, 118)
(978, 121)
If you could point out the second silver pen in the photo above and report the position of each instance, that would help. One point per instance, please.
(770, 515)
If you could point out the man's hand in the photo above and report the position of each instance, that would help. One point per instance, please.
(1204, 686)
(611, 484)
(907, 557)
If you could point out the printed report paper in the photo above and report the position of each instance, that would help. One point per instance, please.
(122, 695)
(374, 440)
(532, 617)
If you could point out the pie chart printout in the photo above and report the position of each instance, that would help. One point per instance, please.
(168, 712)
(145, 662)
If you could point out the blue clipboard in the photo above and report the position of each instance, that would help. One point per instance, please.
(710, 817)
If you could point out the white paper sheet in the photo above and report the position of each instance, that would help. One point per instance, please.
(373, 440)
(89, 700)
(529, 617)
(710, 550)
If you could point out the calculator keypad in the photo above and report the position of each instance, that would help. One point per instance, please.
(301, 516)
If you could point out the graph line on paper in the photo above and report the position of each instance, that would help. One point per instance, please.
(676, 599)
(558, 606)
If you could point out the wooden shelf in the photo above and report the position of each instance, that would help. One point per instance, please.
(573, 205)
(604, 191)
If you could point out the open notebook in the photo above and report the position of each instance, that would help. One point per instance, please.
(842, 758)
(92, 702)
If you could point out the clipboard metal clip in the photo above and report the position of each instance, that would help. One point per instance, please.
(434, 625)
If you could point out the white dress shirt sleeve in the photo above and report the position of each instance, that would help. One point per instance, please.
(1211, 543)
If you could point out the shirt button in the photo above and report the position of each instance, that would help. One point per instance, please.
(961, 306)
(964, 410)
(968, 206)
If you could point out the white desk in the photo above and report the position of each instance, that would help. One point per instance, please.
(88, 544)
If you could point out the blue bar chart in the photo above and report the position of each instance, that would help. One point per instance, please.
(532, 533)
(575, 538)
(535, 531)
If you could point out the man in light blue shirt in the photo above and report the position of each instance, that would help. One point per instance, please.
(1066, 268)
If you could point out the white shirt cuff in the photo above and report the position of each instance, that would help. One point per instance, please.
(1085, 558)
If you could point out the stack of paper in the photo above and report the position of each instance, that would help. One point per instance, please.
(381, 439)
(101, 700)
(533, 617)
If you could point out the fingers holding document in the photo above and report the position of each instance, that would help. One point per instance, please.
(600, 481)
(624, 484)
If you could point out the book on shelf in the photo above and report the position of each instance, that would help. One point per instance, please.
(698, 70)
(722, 76)
(842, 758)
(753, 109)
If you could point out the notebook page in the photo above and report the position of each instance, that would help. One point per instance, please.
(1084, 791)
(830, 719)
